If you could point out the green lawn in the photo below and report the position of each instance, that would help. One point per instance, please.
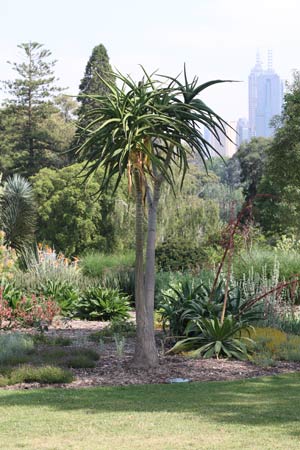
(261, 413)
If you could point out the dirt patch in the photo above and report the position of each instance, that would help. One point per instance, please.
(114, 369)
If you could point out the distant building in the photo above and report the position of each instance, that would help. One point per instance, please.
(226, 146)
(242, 130)
(265, 91)
(231, 142)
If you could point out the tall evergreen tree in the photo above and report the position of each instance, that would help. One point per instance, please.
(29, 104)
(97, 69)
(91, 83)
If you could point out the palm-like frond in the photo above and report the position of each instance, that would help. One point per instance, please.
(148, 124)
(18, 214)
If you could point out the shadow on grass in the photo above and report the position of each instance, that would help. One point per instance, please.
(256, 402)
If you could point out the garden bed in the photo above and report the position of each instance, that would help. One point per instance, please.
(113, 368)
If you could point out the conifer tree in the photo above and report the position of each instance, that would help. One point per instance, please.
(29, 104)
(97, 69)
(98, 64)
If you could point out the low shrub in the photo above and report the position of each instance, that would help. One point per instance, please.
(289, 324)
(61, 340)
(121, 328)
(64, 356)
(103, 304)
(6, 313)
(274, 344)
(80, 362)
(35, 311)
(44, 374)
(14, 347)
(41, 338)
(10, 293)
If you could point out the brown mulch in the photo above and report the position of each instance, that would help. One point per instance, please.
(115, 370)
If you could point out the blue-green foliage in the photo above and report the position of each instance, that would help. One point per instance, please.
(210, 337)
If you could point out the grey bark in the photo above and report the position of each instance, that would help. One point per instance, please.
(145, 352)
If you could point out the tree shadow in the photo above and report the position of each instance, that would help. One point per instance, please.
(257, 402)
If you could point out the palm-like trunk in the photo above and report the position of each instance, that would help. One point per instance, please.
(145, 351)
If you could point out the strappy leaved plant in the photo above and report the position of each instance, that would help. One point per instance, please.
(141, 130)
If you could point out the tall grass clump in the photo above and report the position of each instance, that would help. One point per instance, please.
(259, 259)
(99, 265)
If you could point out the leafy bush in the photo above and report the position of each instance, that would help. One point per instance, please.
(275, 345)
(212, 338)
(35, 311)
(99, 303)
(14, 346)
(10, 293)
(30, 374)
(178, 255)
(87, 224)
(62, 292)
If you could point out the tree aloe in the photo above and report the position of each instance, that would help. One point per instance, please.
(142, 130)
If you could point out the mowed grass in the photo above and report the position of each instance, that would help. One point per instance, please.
(261, 413)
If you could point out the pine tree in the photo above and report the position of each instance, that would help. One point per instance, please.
(29, 105)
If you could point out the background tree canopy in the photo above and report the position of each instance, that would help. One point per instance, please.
(71, 216)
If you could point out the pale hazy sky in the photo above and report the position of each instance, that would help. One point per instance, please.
(216, 39)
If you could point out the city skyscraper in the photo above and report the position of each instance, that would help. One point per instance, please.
(227, 146)
(265, 91)
(242, 129)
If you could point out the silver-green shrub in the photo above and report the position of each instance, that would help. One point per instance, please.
(14, 346)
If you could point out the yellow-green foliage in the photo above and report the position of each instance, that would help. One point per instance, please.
(277, 344)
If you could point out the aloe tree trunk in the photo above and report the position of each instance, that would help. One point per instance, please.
(145, 351)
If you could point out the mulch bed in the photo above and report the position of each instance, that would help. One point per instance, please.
(115, 370)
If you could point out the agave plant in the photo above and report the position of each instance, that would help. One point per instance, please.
(213, 338)
(183, 303)
(186, 303)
